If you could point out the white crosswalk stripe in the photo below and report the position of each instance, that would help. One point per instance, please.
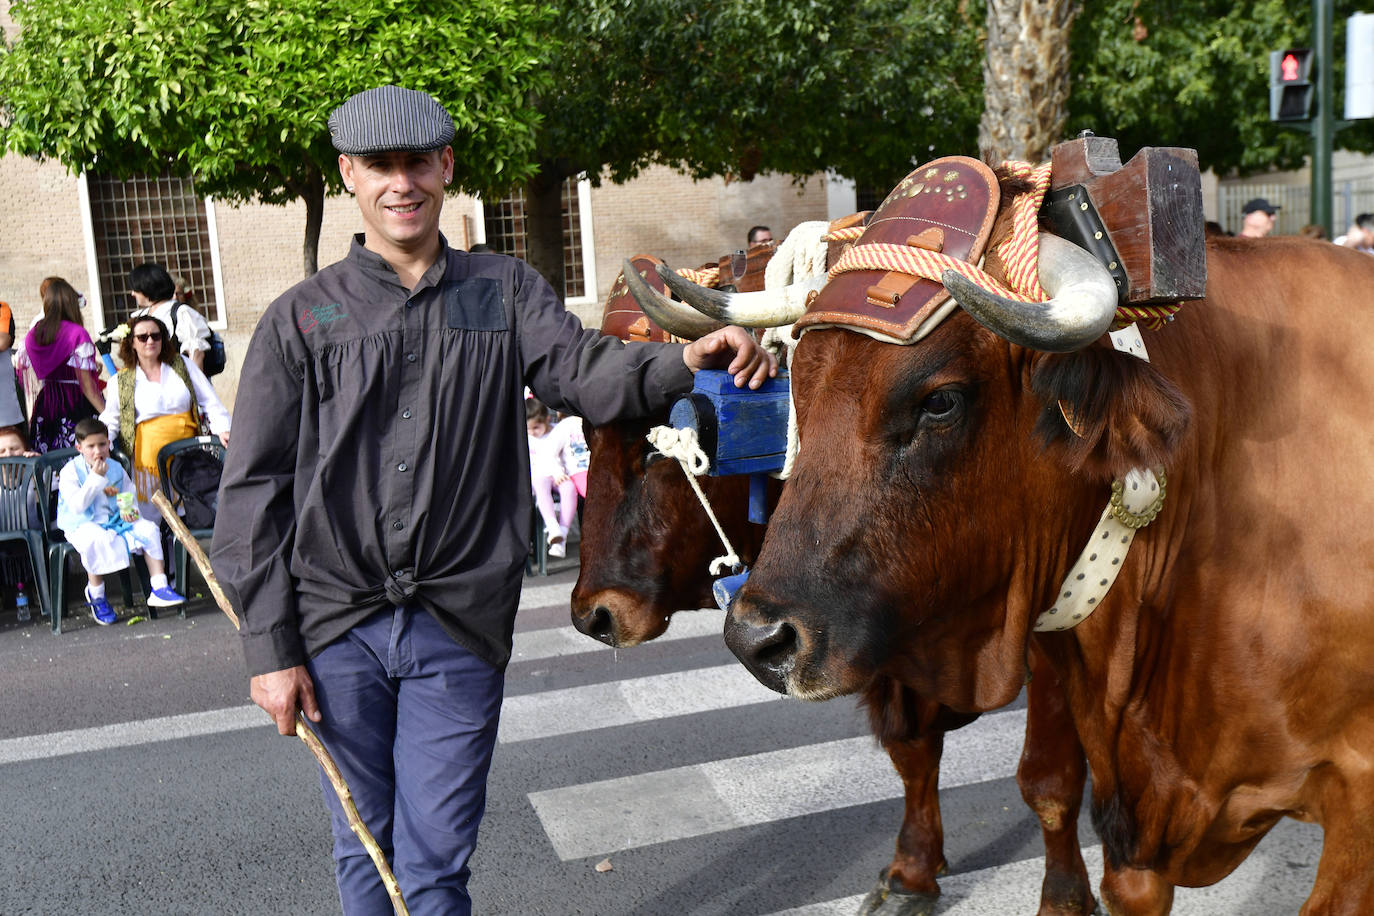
(533, 645)
(129, 734)
(1257, 887)
(575, 709)
(615, 814)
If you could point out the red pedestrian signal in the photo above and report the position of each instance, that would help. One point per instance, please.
(1291, 90)
(1289, 68)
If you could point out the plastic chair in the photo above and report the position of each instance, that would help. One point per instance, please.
(48, 466)
(165, 456)
(537, 560)
(18, 492)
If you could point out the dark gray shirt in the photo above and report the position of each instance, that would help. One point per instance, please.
(380, 454)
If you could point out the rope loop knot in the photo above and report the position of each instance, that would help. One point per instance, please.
(683, 445)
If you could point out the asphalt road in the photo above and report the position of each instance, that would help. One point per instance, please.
(137, 779)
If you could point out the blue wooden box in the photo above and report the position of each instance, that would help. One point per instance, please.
(741, 430)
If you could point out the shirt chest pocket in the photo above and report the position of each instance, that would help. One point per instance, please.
(475, 304)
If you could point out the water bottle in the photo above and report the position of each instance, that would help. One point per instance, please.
(21, 602)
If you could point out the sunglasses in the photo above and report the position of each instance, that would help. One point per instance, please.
(144, 338)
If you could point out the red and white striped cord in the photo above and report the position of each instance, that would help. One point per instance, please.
(705, 277)
(1019, 254)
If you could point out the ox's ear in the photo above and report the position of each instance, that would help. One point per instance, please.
(1107, 412)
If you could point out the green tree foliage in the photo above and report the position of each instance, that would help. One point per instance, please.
(237, 93)
(738, 87)
(1195, 73)
(741, 87)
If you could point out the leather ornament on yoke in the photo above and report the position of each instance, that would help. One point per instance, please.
(947, 205)
(622, 316)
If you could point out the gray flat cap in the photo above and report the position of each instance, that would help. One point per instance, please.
(389, 118)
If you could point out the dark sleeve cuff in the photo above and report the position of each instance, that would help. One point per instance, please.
(274, 650)
(671, 374)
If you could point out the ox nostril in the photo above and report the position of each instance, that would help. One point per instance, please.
(767, 650)
(776, 645)
(599, 624)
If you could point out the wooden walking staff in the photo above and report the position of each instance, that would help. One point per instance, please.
(303, 731)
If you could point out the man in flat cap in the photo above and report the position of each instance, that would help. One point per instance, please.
(374, 518)
(1257, 218)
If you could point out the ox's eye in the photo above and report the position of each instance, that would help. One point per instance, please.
(941, 407)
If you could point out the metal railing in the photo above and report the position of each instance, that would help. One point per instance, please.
(1349, 198)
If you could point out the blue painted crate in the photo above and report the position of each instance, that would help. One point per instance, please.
(742, 431)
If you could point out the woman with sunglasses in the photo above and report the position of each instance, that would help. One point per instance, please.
(158, 397)
(59, 368)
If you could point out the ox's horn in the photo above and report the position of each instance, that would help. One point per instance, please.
(763, 309)
(677, 318)
(1080, 309)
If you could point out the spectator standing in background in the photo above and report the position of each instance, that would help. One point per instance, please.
(11, 413)
(1360, 235)
(183, 292)
(60, 369)
(1257, 218)
(759, 235)
(572, 451)
(155, 292)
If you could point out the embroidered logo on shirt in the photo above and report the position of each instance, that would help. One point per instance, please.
(317, 315)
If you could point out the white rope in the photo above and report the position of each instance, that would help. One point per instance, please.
(682, 444)
(799, 257)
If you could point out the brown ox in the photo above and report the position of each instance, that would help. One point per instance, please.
(1224, 681)
(646, 547)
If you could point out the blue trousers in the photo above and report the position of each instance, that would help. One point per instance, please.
(410, 717)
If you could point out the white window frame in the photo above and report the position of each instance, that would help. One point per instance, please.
(92, 291)
(584, 218)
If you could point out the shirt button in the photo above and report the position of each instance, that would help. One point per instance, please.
(405, 414)
(402, 466)
(410, 357)
(397, 525)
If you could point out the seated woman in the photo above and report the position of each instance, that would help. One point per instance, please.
(151, 403)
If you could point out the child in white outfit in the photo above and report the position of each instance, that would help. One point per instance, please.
(546, 474)
(105, 534)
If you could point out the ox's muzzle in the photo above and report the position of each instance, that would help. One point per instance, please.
(768, 650)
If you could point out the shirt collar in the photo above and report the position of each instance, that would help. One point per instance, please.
(376, 265)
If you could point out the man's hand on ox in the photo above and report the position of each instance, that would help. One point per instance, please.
(751, 364)
(283, 692)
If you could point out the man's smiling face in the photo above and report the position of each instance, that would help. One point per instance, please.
(400, 195)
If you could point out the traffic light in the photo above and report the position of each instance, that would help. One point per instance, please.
(1359, 67)
(1290, 89)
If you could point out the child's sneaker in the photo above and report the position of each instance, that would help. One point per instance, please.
(557, 545)
(164, 597)
(100, 610)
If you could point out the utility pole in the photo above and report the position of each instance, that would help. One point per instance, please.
(1324, 125)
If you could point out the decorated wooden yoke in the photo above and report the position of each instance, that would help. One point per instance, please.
(1143, 220)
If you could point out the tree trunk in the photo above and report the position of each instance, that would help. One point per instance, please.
(314, 219)
(544, 226)
(1025, 78)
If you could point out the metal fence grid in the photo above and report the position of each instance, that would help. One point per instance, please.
(1349, 198)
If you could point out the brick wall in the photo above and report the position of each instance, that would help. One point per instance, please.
(687, 223)
(41, 235)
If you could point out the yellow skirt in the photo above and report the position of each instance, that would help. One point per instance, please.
(149, 437)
